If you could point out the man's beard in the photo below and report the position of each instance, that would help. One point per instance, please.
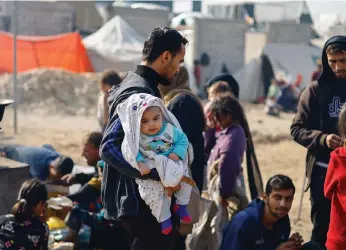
(165, 81)
(343, 77)
(272, 211)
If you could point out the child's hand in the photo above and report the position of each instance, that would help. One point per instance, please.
(173, 157)
(170, 190)
(143, 168)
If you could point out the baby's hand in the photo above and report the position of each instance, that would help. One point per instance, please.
(173, 157)
(143, 168)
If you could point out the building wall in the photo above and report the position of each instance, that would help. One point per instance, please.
(41, 18)
(143, 20)
(223, 41)
(285, 32)
(254, 45)
(168, 4)
(87, 16)
(52, 17)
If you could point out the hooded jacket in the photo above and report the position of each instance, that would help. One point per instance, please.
(119, 192)
(318, 111)
(247, 232)
(334, 190)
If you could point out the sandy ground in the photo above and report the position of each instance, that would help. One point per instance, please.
(276, 151)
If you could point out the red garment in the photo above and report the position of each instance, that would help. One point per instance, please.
(316, 75)
(335, 190)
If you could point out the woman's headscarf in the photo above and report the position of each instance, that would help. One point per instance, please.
(181, 81)
(179, 85)
(233, 84)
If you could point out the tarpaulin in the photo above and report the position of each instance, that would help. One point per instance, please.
(64, 51)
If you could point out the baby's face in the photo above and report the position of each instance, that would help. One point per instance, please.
(151, 122)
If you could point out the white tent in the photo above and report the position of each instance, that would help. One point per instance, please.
(287, 59)
(249, 80)
(115, 45)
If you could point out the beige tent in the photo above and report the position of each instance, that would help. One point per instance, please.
(284, 59)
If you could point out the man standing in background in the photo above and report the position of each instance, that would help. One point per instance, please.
(315, 127)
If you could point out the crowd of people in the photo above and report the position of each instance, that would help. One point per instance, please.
(160, 149)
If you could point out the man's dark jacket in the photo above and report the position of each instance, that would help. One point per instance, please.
(119, 192)
(318, 110)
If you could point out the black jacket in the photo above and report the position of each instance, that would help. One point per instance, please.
(318, 111)
(119, 191)
(190, 115)
(29, 234)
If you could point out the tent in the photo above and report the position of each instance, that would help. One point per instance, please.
(64, 51)
(115, 45)
(288, 60)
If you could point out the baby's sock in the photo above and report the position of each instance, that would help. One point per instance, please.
(181, 211)
(166, 226)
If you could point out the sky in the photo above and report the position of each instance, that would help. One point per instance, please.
(323, 12)
(315, 7)
(334, 7)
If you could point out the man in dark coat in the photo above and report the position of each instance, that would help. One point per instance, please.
(162, 55)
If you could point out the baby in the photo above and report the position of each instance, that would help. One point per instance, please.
(155, 138)
(158, 138)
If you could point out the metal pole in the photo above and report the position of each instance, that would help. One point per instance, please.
(301, 199)
(14, 31)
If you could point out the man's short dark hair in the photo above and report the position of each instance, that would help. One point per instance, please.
(64, 165)
(110, 78)
(94, 138)
(336, 48)
(161, 40)
(279, 182)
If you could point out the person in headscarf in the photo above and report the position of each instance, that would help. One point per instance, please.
(188, 110)
(254, 174)
(233, 84)
(187, 107)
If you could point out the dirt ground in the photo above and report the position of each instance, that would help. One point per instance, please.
(276, 151)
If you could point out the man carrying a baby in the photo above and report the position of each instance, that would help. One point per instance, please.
(162, 55)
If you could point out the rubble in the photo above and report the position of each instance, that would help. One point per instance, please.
(53, 92)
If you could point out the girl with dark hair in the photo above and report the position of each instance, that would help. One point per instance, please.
(25, 228)
(229, 149)
(217, 90)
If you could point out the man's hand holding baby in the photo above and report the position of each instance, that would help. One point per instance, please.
(143, 168)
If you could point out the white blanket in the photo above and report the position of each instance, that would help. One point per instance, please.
(152, 192)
